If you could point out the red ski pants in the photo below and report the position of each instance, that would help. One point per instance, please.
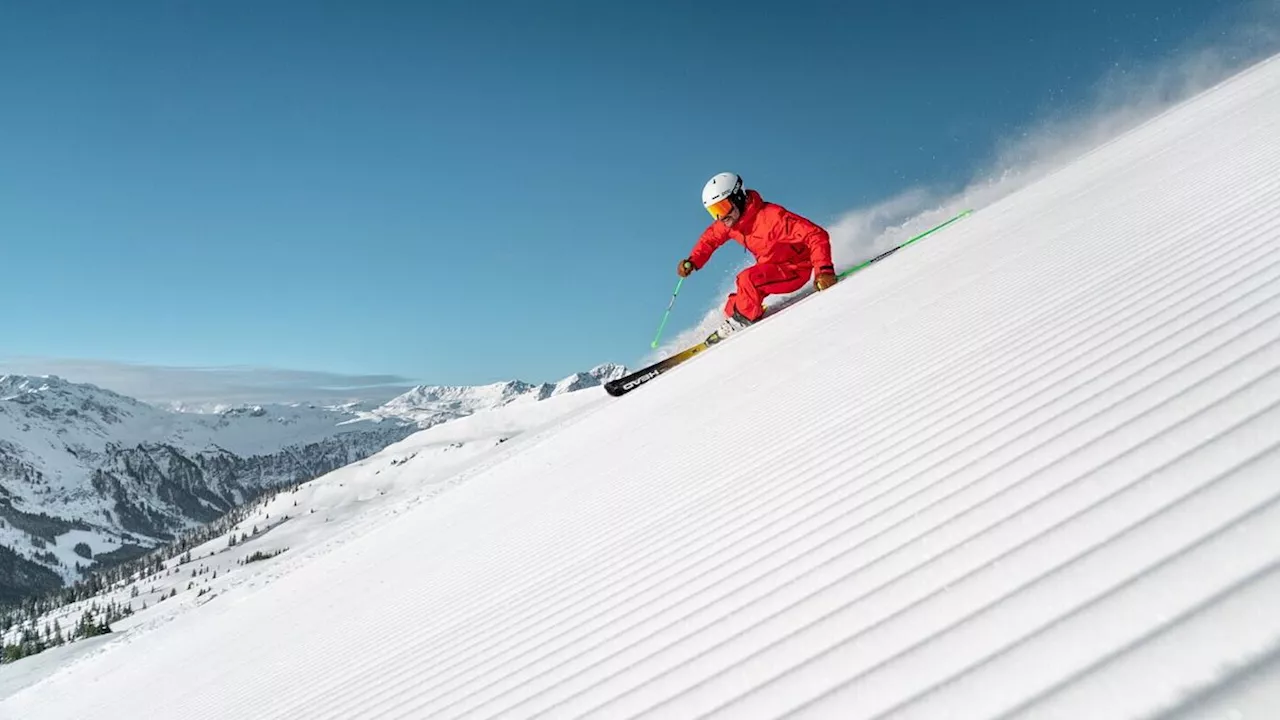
(761, 280)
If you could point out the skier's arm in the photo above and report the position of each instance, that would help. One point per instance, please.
(712, 238)
(799, 229)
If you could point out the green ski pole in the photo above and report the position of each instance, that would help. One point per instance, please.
(896, 248)
(667, 314)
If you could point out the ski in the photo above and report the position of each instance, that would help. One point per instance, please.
(649, 373)
(627, 383)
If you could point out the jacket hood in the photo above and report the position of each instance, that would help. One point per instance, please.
(754, 203)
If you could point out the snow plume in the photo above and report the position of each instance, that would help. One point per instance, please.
(1124, 98)
(867, 232)
(1120, 101)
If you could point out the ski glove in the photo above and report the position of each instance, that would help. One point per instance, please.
(825, 279)
(685, 267)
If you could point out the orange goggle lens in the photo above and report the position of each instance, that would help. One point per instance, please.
(720, 208)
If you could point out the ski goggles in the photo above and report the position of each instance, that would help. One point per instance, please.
(720, 208)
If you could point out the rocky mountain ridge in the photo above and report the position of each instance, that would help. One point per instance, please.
(89, 476)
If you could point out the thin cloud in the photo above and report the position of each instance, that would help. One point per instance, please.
(214, 388)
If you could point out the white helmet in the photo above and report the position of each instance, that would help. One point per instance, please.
(723, 193)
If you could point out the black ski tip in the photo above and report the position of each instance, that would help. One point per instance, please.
(624, 385)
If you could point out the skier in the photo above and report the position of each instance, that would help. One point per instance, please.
(787, 249)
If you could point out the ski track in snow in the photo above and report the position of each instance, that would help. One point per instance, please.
(1025, 468)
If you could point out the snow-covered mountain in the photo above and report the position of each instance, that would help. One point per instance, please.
(429, 405)
(88, 475)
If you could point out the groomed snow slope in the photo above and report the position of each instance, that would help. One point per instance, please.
(1026, 468)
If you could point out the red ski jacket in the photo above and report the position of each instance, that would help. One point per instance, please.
(772, 234)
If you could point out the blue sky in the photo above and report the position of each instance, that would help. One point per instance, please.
(457, 192)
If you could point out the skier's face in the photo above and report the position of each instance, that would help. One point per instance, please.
(731, 218)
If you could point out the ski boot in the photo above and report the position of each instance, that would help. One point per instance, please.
(731, 324)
